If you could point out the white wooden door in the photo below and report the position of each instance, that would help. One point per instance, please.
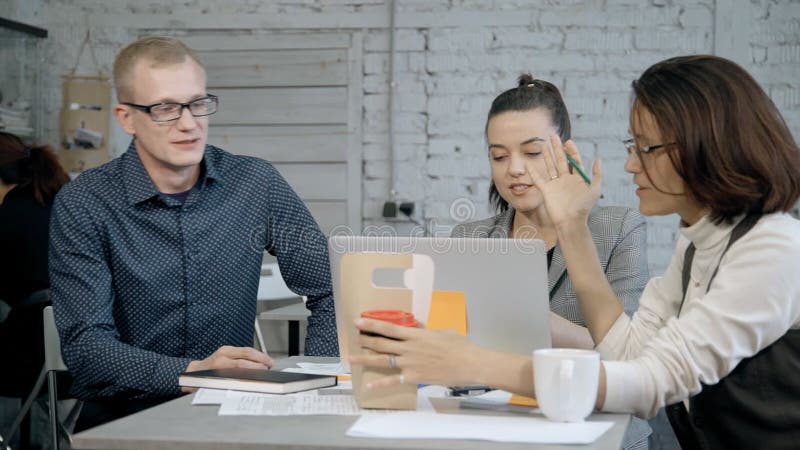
(293, 99)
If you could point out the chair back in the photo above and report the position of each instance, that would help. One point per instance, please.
(271, 285)
(52, 343)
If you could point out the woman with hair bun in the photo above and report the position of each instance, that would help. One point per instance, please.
(518, 129)
(30, 177)
(518, 126)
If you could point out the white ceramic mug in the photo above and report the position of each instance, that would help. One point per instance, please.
(566, 381)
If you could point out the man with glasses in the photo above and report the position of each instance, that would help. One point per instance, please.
(155, 257)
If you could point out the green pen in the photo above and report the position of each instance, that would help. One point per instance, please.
(575, 165)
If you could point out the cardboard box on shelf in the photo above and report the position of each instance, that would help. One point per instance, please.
(85, 122)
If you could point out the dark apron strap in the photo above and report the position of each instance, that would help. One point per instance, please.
(676, 412)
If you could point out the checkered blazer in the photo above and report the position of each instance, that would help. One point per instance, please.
(620, 236)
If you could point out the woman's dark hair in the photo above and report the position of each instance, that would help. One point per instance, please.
(732, 147)
(529, 94)
(34, 166)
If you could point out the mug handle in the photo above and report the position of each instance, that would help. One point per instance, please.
(566, 370)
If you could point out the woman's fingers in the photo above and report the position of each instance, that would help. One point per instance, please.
(550, 163)
(381, 344)
(572, 150)
(385, 329)
(538, 175)
(597, 179)
(559, 158)
(380, 361)
(392, 380)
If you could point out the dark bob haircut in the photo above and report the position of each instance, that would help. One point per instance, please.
(732, 147)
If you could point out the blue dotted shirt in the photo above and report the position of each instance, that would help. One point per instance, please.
(142, 284)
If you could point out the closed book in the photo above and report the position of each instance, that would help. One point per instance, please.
(255, 380)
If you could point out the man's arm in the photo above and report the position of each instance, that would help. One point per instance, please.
(83, 303)
(294, 237)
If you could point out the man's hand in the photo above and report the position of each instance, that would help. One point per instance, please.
(228, 357)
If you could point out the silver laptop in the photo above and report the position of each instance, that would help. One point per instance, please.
(504, 280)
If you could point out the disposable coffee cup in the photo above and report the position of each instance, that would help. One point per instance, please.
(395, 316)
(403, 396)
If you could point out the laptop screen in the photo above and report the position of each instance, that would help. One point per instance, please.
(504, 283)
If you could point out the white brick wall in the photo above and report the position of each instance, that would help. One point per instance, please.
(453, 57)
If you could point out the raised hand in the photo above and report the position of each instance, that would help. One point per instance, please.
(567, 197)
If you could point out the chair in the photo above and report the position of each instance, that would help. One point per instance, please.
(53, 363)
(293, 314)
(271, 286)
(272, 289)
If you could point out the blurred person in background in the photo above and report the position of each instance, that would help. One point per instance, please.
(29, 180)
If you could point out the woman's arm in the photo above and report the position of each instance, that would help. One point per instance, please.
(626, 272)
(599, 305)
(446, 358)
(565, 334)
(569, 200)
(440, 357)
(627, 269)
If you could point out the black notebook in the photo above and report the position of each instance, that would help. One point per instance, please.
(255, 380)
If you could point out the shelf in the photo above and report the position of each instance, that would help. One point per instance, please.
(23, 28)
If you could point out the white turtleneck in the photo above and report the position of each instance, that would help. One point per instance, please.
(655, 358)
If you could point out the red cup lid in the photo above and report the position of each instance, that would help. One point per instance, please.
(395, 316)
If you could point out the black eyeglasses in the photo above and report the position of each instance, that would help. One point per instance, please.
(632, 147)
(169, 111)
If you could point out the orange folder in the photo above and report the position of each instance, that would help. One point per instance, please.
(448, 311)
(520, 400)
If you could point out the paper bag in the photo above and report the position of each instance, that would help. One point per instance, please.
(359, 294)
(85, 120)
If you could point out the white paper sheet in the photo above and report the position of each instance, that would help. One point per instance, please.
(205, 396)
(344, 387)
(424, 394)
(249, 404)
(337, 400)
(319, 368)
(424, 425)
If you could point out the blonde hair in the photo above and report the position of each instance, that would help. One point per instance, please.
(158, 50)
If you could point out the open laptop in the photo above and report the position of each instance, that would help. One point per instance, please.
(504, 281)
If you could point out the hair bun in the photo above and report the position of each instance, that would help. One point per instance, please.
(525, 79)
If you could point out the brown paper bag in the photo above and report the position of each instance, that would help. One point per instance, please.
(85, 120)
(360, 294)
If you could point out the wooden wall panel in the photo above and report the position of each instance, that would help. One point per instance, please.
(271, 68)
(299, 143)
(280, 106)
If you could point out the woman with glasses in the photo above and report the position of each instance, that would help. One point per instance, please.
(720, 330)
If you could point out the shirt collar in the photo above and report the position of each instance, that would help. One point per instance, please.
(503, 224)
(138, 184)
(706, 234)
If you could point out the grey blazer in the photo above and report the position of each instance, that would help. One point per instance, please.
(620, 237)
